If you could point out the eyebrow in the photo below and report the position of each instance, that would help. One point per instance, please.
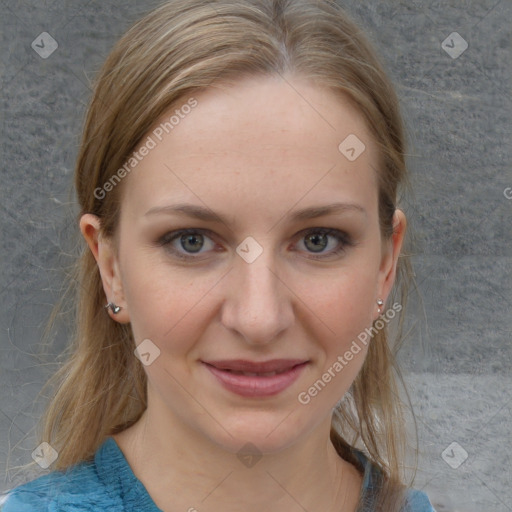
(204, 214)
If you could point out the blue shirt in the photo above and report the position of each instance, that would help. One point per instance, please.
(108, 483)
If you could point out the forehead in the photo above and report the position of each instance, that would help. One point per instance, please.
(262, 141)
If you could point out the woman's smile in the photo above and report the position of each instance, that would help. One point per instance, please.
(256, 383)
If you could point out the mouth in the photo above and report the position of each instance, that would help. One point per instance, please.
(256, 374)
(253, 379)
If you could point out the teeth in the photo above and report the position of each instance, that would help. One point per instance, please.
(251, 374)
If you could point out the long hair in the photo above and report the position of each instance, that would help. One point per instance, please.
(182, 47)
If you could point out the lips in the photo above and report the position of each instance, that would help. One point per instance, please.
(253, 379)
(242, 366)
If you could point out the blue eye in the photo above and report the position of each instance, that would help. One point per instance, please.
(192, 241)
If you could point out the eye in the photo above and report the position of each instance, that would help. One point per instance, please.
(315, 240)
(188, 239)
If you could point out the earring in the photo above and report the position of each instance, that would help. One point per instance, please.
(115, 309)
(380, 303)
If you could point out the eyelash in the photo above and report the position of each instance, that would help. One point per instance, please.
(343, 238)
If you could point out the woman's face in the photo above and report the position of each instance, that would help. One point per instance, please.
(257, 277)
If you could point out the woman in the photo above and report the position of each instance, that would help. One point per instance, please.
(237, 179)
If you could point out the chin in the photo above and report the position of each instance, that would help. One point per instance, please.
(254, 443)
(263, 436)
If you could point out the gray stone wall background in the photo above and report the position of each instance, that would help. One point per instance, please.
(458, 355)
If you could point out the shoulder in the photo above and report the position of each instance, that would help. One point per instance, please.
(415, 501)
(76, 490)
(418, 501)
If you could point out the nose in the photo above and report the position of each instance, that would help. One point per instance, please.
(259, 303)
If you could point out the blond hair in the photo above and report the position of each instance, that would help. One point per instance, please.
(182, 47)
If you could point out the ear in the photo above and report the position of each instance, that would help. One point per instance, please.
(390, 252)
(105, 255)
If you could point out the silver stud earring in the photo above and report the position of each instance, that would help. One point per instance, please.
(115, 309)
(380, 303)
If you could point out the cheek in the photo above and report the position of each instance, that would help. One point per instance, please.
(164, 303)
(356, 297)
(345, 303)
(345, 308)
